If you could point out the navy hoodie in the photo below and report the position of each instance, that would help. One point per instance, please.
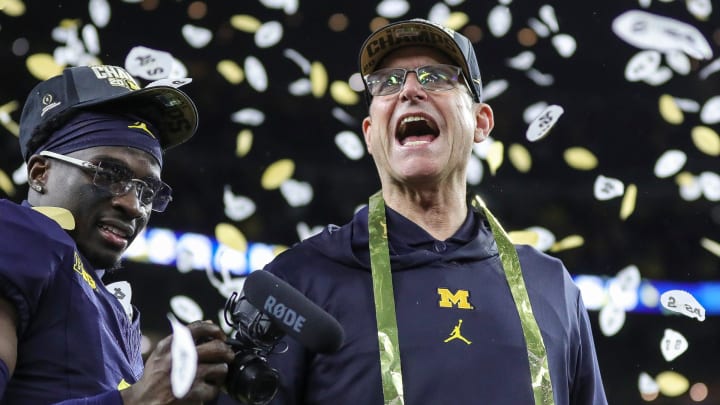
(460, 335)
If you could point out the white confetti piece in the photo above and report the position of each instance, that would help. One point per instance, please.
(660, 76)
(710, 185)
(499, 20)
(123, 292)
(547, 14)
(691, 190)
(256, 74)
(475, 171)
(710, 112)
(237, 207)
(295, 56)
(439, 13)
(343, 116)
(607, 188)
(197, 37)
(673, 344)
(611, 319)
(678, 61)
(711, 68)
(91, 39)
(522, 61)
(670, 163)
(647, 385)
(99, 12)
(296, 193)
(186, 309)
(269, 34)
(540, 78)
(649, 31)
(170, 82)
(148, 63)
(495, 88)
(248, 116)
(350, 145)
(545, 240)
(683, 303)
(700, 9)
(623, 288)
(541, 125)
(642, 65)
(533, 111)
(392, 8)
(564, 44)
(184, 359)
(300, 87)
(304, 231)
(541, 29)
(177, 70)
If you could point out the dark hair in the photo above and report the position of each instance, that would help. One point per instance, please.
(43, 131)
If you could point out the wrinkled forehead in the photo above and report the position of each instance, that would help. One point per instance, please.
(414, 56)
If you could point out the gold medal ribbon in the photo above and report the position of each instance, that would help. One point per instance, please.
(385, 306)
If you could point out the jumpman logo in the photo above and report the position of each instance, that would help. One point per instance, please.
(143, 126)
(455, 334)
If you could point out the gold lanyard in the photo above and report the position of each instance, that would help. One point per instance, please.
(385, 306)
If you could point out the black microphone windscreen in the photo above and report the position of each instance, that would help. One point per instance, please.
(293, 312)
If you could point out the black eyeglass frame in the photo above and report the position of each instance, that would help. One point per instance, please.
(159, 198)
(455, 77)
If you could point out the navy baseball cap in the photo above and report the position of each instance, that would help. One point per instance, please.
(419, 32)
(113, 89)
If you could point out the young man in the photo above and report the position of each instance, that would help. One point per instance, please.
(93, 142)
(437, 304)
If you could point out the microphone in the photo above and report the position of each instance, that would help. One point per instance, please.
(293, 313)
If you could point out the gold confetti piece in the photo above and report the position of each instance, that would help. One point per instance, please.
(524, 237)
(495, 156)
(230, 236)
(684, 179)
(672, 384)
(706, 140)
(669, 110)
(343, 94)
(628, 202)
(520, 157)
(318, 79)
(245, 23)
(63, 217)
(231, 71)
(456, 20)
(712, 246)
(13, 8)
(570, 242)
(6, 184)
(277, 249)
(43, 66)
(277, 173)
(580, 158)
(243, 143)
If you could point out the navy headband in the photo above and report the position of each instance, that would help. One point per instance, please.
(90, 129)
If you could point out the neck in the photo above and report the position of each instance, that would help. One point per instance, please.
(439, 212)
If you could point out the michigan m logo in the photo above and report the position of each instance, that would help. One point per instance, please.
(458, 299)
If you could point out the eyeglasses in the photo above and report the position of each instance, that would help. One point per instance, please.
(384, 82)
(119, 180)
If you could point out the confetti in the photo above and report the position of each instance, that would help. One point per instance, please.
(342, 93)
(495, 156)
(567, 243)
(184, 359)
(268, 34)
(230, 236)
(670, 110)
(683, 303)
(647, 385)
(296, 193)
(607, 188)
(611, 319)
(520, 157)
(541, 125)
(499, 20)
(123, 292)
(670, 163)
(628, 202)
(642, 65)
(237, 207)
(350, 145)
(243, 143)
(186, 309)
(580, 158)
(256, 74)
(392, 8)
(673, 345)
(277, 173)
(672, 384)
(231, 71)
(248, 116)
(318, 79)
(197, 37)
(148, 63)
(706, 140)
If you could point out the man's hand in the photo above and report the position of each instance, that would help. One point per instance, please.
(213, 358)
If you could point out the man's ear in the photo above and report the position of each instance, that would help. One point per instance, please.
(366, 124)
(484, 122)
(37, 168)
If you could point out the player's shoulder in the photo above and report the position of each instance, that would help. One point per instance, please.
(24, 224)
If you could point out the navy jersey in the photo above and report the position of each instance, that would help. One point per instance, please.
(74, 338)
(460, 336)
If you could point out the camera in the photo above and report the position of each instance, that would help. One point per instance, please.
(250, 379)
